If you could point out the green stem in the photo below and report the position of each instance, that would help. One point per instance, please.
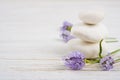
(110, 38)
(87, 61)
(100, 49)
(117, 60)
(92, 61)
(109, 41)
(115, 51)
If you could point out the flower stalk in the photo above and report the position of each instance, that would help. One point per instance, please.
(115, 51)
(100, 49)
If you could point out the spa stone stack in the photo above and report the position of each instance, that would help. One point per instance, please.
(88, 34)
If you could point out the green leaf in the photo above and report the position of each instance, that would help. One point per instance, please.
(115, 51)
(117, 60)
(110, 39)
(100, 48)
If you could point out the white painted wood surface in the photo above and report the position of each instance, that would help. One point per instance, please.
(30, 47)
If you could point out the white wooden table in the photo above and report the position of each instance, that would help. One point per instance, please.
(30, 47)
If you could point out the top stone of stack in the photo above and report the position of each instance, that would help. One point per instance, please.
(91, 17)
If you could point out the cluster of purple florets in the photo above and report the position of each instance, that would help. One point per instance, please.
(76, 61)
(65, 31)
(106, 63)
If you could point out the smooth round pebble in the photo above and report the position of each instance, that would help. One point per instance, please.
(90, 50)
(89, 33)
(92, 17)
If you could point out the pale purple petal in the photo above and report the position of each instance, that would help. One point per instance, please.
(66, 36)
(65, 26)
(107, 63)
(75, 60)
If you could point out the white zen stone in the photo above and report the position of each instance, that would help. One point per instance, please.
(89, 33)
(92, 17)
(90, 50)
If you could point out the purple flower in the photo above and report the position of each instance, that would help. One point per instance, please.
(66, 26)
(75, 60)
(65, 31)
(107, 63)
(66, 36)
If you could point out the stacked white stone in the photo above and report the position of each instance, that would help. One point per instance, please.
(88, 34)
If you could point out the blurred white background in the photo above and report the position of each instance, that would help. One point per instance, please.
(28, 26)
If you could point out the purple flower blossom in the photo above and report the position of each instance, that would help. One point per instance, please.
(65, 31)
(66, 26)
(66, 36)
(75, 60)
(107, 63)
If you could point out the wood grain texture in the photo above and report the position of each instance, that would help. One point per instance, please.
(30, 47)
